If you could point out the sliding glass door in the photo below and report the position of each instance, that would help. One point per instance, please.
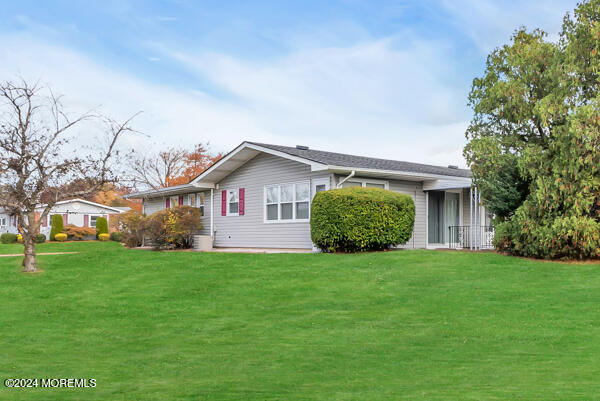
(443, 212)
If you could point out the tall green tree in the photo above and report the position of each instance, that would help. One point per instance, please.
(533, 142)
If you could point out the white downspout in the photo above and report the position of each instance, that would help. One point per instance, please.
(212, 214)
(339, 185)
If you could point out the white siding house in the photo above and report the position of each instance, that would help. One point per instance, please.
(78, 212)
(8, 222)
(259, 195)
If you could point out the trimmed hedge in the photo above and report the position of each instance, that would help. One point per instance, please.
(361, 219)
(19, 238)
(101, 226)
(39, 238)
(103, 237)
(57, 225)
(8, 238)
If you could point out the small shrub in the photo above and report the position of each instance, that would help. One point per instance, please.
(8, 238)
(57, 225)
(79, 233)
(39, 238)
(19, 238)
(116, 236)
(104, 237)
(361, 219)
(174, 227)
(101, 226)
(60, 237)
(133, 224)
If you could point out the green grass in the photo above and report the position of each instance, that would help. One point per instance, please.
(413, 325)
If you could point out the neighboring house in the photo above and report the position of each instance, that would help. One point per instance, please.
(79, 212)
(8, 222)
(259, 195)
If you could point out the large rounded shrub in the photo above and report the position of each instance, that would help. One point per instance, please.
(361, 219)
(8, 238)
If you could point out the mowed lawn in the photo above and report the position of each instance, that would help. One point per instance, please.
(413, 325)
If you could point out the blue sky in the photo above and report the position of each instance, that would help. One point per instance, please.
(379, 78)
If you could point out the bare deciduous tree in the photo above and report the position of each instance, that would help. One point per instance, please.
(35, 137)
(155, 170)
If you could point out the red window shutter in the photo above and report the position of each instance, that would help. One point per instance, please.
(241, 204)
(65, 219)
(86, 220)
(180, 200)
(45, 222)
(223, 203)
(168, 203)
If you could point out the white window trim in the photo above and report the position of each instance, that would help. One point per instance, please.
(189, 200)
(2, 221)
(293, 220)
(363, 182)
(227, 213)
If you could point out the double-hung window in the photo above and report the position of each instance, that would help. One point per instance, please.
(200, 203)
(365, 183)
(2, 221)
(287, 202)
(192, 200)
(233, 202)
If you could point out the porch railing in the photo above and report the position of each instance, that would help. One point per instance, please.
(461, 237)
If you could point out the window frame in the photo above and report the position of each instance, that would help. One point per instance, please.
(236, 191)
(90, 219)
(2, 221)
(200, 201)
(294, 203)
(363, 182)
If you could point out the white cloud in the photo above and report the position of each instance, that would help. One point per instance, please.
(372, 98)
(490, 23)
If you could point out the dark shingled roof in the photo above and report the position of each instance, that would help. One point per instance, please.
(351, 161)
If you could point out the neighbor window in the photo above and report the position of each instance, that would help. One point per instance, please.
(192, 200)
(2, 221)
(287, 202)
(233, 202)
(93, 220)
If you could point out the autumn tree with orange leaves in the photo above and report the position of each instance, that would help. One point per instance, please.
(174, 166)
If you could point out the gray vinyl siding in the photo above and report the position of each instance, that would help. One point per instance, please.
(415, 190)
(152, 205)
(251, 230)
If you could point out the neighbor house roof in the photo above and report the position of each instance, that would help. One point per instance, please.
(362, 162)
(115, 209)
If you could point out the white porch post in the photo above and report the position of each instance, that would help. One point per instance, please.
(471, 218)
(475, 225)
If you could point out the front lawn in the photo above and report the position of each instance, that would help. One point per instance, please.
(414, 325)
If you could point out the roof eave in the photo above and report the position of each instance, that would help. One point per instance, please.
(400, 174)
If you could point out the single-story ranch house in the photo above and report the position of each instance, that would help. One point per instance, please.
(80, 213)
(259, 195)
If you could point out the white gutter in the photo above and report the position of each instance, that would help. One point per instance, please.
(339, 185)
